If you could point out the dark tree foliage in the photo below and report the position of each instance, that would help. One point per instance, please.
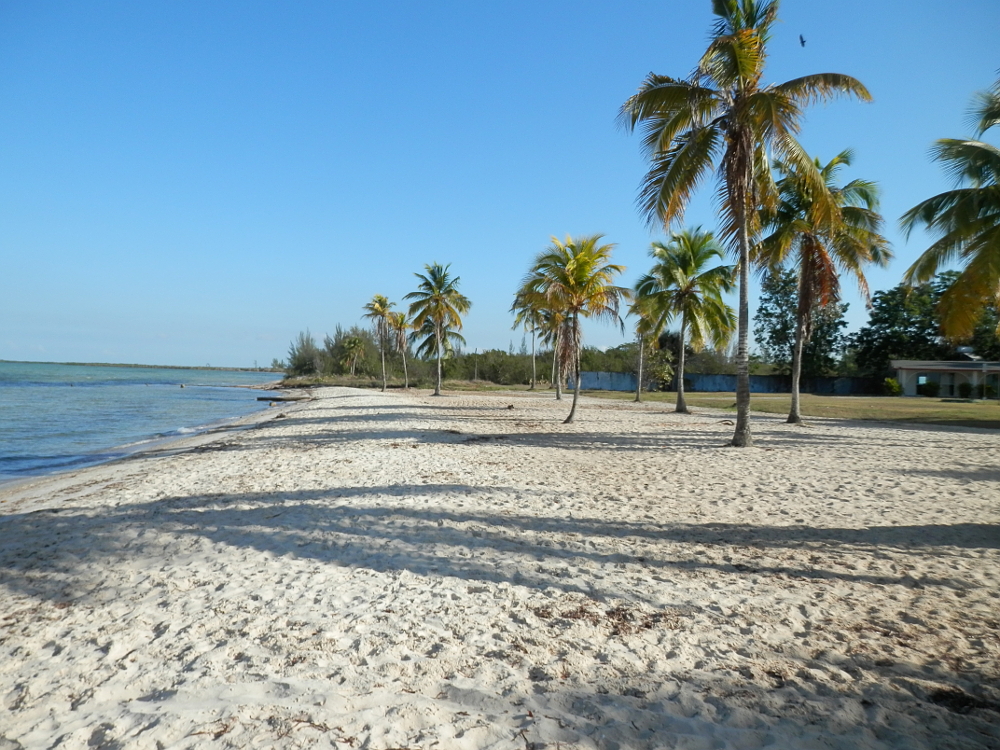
(903, 324)
(621, 358)
(985, 342)
(774, 328)
(333, 360)
(494, 365)
(303, 356)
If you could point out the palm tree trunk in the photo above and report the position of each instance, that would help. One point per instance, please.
(741, 435)
(638, 377)
(533, 377)
(794, 417)
(576, 367)
(406, 375)
(557, 364)
(681, 407)
(437, 341)
(382, 351)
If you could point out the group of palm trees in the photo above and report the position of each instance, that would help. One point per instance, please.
(433, 320)
(778, 206)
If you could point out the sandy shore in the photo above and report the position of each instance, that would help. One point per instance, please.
(399, 571)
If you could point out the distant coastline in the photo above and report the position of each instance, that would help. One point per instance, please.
(136, 366)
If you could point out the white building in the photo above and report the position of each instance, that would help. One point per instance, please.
(911, 373)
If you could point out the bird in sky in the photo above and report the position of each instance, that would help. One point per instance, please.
(802, 40)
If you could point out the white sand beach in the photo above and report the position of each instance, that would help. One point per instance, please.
(401, 571)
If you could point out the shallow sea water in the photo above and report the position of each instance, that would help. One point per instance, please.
(57, 417)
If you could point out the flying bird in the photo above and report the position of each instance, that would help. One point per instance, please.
(802, 40)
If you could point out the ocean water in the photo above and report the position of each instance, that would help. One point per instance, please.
(59, 417)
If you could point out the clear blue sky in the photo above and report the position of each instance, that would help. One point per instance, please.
(187, 183)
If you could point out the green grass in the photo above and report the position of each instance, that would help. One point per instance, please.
(871, 408)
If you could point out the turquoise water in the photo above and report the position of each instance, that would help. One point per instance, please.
(58, 417)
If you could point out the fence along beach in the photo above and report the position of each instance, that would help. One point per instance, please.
(394, 570)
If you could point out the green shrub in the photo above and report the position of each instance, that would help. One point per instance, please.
(965, 390)
(931, 389)
(891, 387)
(984, 390)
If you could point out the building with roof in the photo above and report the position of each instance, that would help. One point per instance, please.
(949, 375)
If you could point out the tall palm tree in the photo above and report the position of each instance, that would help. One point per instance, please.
(822, 244)
(378, 312)
(681, 284)
(399, 327)
(573, 278)
(438, 304)
(723, 115)
(967, 222)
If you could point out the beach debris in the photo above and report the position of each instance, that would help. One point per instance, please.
(511, 407)
(222, 727)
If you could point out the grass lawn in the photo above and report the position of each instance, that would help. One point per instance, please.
(878, 408)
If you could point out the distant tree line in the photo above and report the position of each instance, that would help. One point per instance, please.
(904, 322)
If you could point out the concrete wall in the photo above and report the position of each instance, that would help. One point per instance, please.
(606, 381)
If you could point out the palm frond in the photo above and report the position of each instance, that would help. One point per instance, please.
(820, 87)
(676, 174)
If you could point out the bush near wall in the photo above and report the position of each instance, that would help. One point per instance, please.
(931, 389)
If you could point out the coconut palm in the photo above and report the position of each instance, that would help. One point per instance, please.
(645, 334)
(682, 285)
(966, 221)
(378, 312)
(399, 327)
(822, 244)
(354, 352)
(437, 309)
(529, 317)
(550, 332)
(426, 339)
(573, 279)
(723, 116)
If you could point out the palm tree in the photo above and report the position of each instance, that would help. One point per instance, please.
(399, 327)
(724, 115)
(823, 244)
(426, 339)
(354, 351)
(646, 332)
(438, 304)
(967, 222)
(681, 284)
(573, 280)
(378, 312)
(529, 317)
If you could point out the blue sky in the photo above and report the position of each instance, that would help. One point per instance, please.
(194, 183)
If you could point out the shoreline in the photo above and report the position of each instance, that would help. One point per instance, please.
(120, 436)
(397, 570)
(21, 488)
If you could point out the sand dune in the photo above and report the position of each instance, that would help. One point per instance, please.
(394, 570)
